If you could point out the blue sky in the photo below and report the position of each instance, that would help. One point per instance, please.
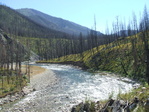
(83, 11)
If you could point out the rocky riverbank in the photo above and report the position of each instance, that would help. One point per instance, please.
(43, 80)
(113, 106)
(138, 103)
(16, 96)
(40, 79)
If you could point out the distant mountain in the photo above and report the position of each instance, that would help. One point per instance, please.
(15, 23)
(55, 23)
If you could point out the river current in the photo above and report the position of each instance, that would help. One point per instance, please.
(73, 87)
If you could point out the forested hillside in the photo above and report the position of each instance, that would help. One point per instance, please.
(14, 23)
(43, 41)
(55, 23)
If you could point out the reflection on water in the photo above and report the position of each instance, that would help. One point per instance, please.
(75, 85)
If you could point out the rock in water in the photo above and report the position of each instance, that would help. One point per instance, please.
(146, 106)
(133, 105)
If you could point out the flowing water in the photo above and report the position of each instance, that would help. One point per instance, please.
(74, 86)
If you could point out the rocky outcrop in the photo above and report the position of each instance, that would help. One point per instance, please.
(112, 106)
(2, 38)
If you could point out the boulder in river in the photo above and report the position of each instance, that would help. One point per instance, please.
(146, 105)
(112, 106)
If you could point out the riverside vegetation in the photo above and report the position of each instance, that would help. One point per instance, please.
(11, 78)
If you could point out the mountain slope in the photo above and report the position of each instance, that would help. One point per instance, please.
(15, 23)
(53, 22)
(117, 57)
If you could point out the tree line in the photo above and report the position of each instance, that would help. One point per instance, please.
(12, 54)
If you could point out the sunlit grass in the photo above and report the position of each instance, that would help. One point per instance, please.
(142, 93)
(11, 84)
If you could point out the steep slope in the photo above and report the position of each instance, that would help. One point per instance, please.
(15, 23)
(53, 22)
(118, 56)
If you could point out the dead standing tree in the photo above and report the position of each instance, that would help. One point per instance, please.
(144, 28)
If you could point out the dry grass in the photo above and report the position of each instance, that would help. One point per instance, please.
(34, 70)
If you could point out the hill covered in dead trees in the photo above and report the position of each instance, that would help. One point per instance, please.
(125, 53)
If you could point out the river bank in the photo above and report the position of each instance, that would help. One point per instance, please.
(42, 80)
(136, 100)
(39, 78)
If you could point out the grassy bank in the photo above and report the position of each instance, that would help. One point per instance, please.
(10, 84)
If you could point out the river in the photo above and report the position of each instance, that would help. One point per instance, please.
(74, 86)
